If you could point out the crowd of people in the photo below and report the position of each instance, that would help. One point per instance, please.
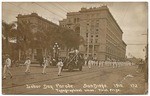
(90, 62)
(27, 63)
(109, 63)
(102, 63)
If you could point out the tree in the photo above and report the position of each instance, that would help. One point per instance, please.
(71, 38)
(43, 37)
(26, 38)
(7, 33)
(63, 36)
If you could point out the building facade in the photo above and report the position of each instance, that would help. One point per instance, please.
(101, 33)
(37, 24)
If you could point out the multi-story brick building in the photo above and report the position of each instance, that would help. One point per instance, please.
(101, 33)
(37, 24)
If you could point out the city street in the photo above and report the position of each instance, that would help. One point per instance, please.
(97, 80)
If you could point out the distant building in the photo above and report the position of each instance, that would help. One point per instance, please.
(101, 33)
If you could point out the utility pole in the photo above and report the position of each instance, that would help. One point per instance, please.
(93, 44)
(146, 60)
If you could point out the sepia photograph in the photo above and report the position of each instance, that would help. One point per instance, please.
(74, 48)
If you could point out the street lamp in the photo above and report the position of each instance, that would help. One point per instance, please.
(56, 49)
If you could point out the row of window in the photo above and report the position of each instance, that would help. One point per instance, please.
(75, 20)
(91, 48)
(116, 36)
(92, 29)
(66, 26)
(114, 51)
(90, 54)
(91, 35)
(93, 20)
(94, 15)
(91, 41)
(110, 39)
(39, 22)
(115, 29)
(92, 25)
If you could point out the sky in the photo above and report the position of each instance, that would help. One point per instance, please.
(131, 17)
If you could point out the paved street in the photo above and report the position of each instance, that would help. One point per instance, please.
(106, 80)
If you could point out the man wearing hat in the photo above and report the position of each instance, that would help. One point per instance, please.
(7, 67)
(27, 63)
(60, 65)
(45, 64)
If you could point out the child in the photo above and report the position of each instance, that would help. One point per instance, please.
(60, 65)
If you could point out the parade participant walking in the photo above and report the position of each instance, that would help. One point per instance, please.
(7, 67)
(113, 64)
(90, 62)
(96, 62)
(60, 65)
(86, 61)
(45, 65)
(27, 63)
(100, 63)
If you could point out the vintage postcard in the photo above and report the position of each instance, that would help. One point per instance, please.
(74, 48)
